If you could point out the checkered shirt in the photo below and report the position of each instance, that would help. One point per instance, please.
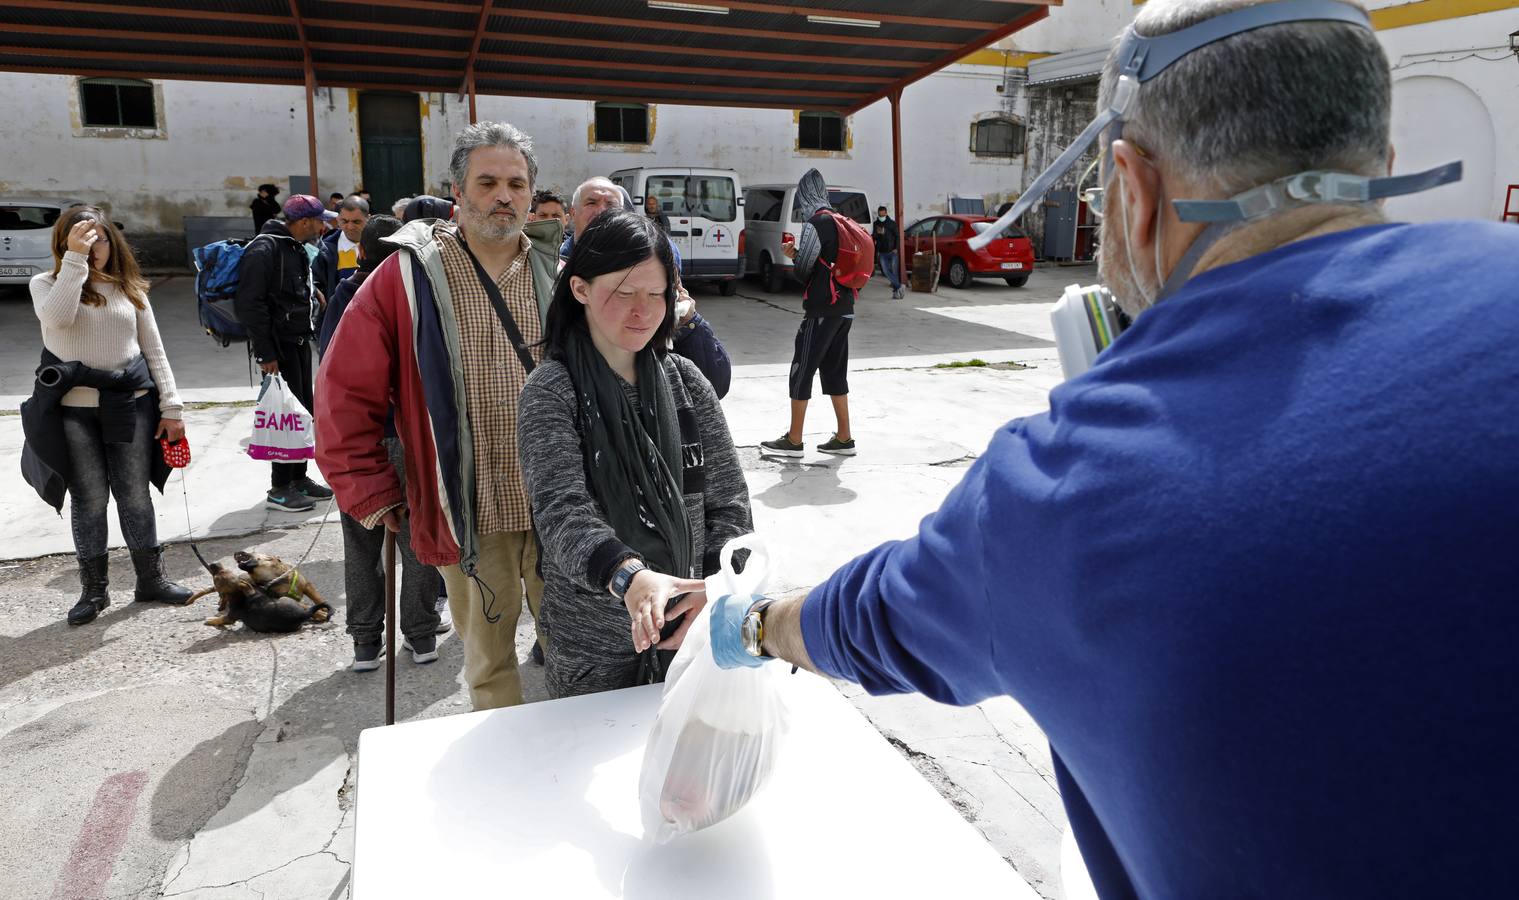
(493, 379)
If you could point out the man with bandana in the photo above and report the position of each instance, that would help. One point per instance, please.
(1253, 573)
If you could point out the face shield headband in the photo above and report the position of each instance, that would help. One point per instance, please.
(1142, 58)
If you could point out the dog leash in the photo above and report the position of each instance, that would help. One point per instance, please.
(184, 491)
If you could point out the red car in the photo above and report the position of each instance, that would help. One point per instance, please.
(1009, 257)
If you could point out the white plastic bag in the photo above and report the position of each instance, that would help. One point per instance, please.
(282, 429)
(718, 731)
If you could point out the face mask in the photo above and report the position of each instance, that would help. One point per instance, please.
(1142, 58)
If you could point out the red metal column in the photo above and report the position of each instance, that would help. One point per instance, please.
(311, 126)
(471, 98)
(896, 177)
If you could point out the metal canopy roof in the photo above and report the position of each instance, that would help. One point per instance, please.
(757, 53)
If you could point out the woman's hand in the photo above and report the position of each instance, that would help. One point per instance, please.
(83, 236)
(646, 599)
(689, 606)
(173, 429)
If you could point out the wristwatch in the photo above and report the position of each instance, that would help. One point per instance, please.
(624, 576)
(753, 630)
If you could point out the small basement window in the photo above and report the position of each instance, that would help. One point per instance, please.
(820, 131)
(997, 137)
(622, 123)
(117, 103)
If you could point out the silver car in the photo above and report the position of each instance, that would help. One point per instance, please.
(26, 236)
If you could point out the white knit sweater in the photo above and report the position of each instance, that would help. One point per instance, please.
(102, 337)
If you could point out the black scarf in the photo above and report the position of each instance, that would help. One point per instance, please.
(633, 458)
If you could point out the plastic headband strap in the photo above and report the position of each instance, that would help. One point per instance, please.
(1141, 58)
(1313, 187)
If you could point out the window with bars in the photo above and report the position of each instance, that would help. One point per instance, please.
(820, 131)
(997, 137)
(622, 123)
(117, 103)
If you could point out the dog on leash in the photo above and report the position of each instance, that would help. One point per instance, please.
(263, 592)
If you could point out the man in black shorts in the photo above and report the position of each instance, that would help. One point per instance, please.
(822, 343)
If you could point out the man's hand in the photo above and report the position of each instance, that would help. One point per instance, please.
(171, 429)
(321, 298)
(646, 599)
(393, 519)
(727, 632)
(272, 367)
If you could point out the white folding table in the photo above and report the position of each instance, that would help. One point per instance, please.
(542, 801)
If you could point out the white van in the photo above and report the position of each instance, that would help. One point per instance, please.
(704, 206)
(770, 213)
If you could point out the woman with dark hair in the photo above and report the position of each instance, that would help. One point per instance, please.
(634, 481)
(104, 392)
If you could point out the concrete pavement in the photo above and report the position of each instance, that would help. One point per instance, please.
(170, 759)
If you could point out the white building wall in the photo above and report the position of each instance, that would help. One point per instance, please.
(219, 141)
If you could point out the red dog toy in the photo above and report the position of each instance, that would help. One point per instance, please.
(176, 453)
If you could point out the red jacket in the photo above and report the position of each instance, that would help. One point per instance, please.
(391, 350)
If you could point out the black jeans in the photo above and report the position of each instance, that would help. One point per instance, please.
(364, 577)
(295, 365)
(102, 471)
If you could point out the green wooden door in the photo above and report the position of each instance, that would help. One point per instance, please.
(390, 142)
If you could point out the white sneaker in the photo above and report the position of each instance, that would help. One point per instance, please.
(445, 618)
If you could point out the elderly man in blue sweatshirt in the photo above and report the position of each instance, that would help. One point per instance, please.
(1254, 573)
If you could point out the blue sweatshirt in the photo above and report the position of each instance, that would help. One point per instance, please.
(1256, 576)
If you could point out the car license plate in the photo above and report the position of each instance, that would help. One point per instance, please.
(1012, 265)
(16, 271)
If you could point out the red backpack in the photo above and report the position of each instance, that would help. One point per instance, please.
(857, 253)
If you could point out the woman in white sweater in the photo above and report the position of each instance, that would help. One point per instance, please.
(94, 312)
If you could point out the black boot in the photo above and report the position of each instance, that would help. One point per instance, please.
(96, 594)
(152, 587)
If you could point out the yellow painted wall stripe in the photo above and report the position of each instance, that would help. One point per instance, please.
(1007, 58)
(1422, 12)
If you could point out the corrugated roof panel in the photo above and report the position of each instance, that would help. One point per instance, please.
(1075, 65)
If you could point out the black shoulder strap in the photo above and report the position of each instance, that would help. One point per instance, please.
(513, 334)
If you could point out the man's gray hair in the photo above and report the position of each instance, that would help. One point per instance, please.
(354, 203)
(600, 181)
(1260, 105)
(490, 134)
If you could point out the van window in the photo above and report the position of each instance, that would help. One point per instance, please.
(763, 205)
(845, 203)
(712, 197)
(851, 204)
(670, 191)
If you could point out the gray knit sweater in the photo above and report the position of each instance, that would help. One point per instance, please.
(587, 628)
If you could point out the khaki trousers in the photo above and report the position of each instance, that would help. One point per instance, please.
(508, 567)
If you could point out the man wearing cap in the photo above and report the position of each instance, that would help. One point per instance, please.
(279, 304)
(1253, 574)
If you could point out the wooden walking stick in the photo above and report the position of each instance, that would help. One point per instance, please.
(390, 627)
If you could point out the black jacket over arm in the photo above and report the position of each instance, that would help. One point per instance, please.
(45, 455)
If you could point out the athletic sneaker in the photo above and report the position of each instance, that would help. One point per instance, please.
(312, 489)
(423, 650)
(781, 446)
(289, 499)
(445, 618)
(368, 656)
(837, 447)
